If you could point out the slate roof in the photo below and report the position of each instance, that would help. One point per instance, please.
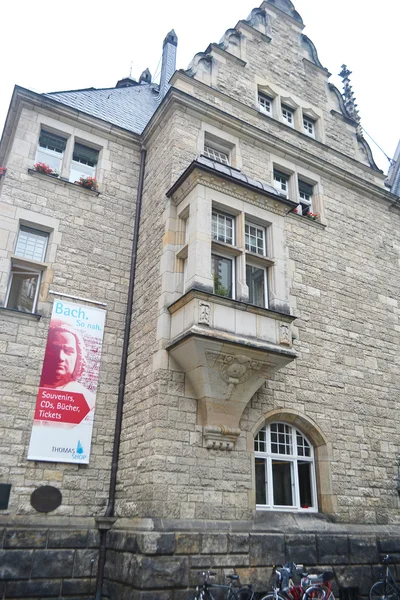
(233, 175)
(128, 107)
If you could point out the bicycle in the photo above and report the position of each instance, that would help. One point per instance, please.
(203, 589)
(312, 587)
(386, 588)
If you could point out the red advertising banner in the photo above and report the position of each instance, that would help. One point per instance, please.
(63, 420)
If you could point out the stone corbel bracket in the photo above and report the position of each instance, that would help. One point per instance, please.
(218, 437)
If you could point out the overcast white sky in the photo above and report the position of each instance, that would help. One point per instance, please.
(54, 46)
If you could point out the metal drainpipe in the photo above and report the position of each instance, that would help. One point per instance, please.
(122, 378)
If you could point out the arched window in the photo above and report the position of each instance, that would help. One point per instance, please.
(285, 469)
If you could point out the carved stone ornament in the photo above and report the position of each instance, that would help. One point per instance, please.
(218, 437)
(284, 334)
(204, 313)
(234, 369)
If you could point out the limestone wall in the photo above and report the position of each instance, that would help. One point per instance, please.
(88, 256)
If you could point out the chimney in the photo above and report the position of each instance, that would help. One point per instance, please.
(168, 62)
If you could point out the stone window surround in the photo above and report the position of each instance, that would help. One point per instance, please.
(40, 222)
(292, 457)
(327, 501)
(296, 173)
(281, 98)
(222, 141)
(73, 134)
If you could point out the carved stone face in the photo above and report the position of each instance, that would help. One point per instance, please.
(236, 370)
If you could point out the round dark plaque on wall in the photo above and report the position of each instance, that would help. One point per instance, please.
(46, 498)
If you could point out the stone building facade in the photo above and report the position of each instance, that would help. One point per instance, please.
(247, 251)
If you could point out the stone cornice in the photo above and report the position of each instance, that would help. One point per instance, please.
(196, 174)
(188, 297)
(227, 55)
(245, 129)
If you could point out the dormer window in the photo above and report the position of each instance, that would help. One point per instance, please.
(288, 116)
(265, 104)
(309, 126)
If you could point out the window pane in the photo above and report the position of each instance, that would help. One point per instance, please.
(222, 274)
(222, 227)
(255, 279)
(50, 158)
(261, 481)
(31, 244)
(22, 290)
(260, 441)
(85, 155)
(281, 439)
(264, 103)
(52, 141)
(255, 239)
(282, 482)
(216, 155)
(304, 471)
(303, 447)
(79, 170)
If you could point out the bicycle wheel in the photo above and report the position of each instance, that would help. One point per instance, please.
(244, 593)
(273, 597)
(314, 593)
(382, 591)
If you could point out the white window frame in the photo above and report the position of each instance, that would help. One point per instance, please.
(31, 232)
(278, 184)
(43, 153)
(287, 115)
(233, 273)
(304, 197)
(216, 154)
(251, 263)
(249, 224)
(265, 104)
(81, 169)
(268, 456)
(220, 213)
(24, 271)
(27, 264)
(309, 126)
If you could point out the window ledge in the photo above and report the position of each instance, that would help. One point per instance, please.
(65, 182)
(265, 261)
(222, 246)
(317, 224)
(20, 314)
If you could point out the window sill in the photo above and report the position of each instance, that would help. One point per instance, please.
(305, 219)
(222, 246)
(263, 261)
(20, 314)
(65, 182)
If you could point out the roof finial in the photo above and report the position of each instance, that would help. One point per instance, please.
(130, 70)
(349, 98)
